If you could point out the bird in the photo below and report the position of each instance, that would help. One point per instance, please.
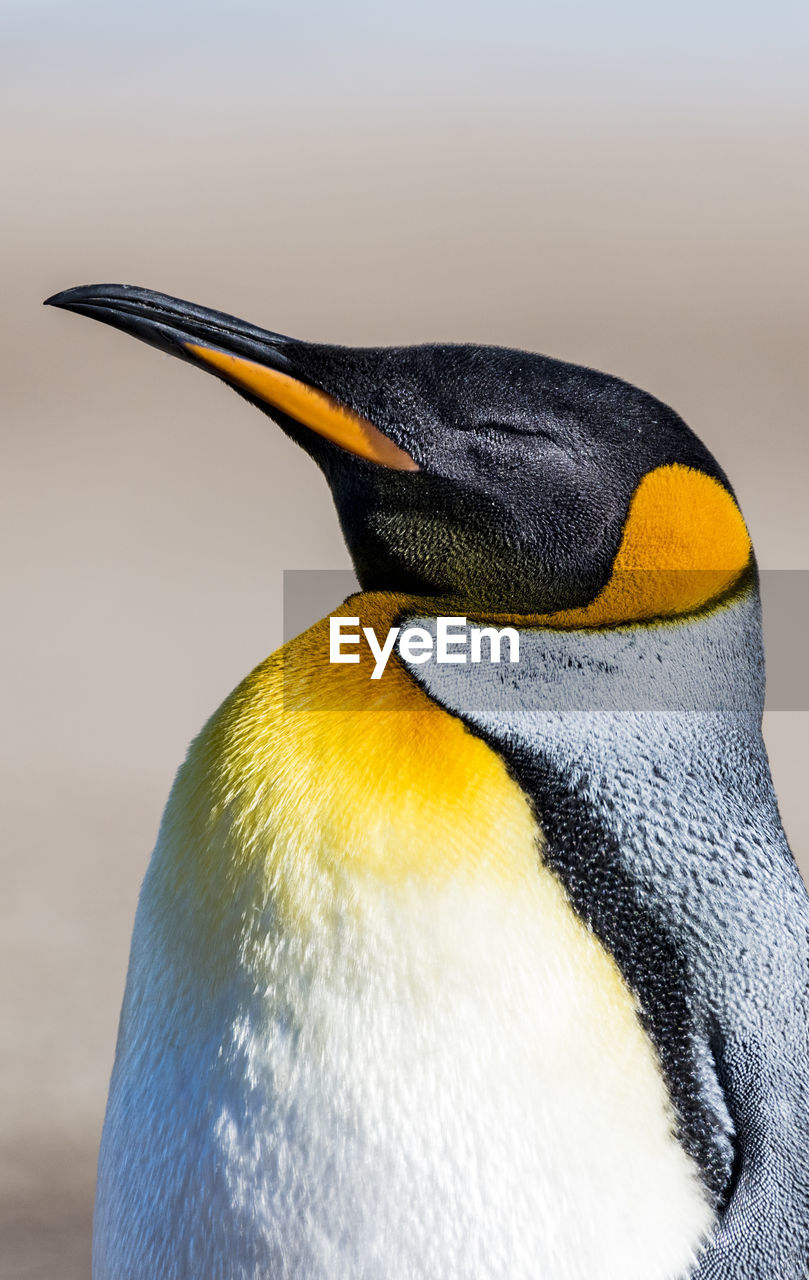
(471, 970)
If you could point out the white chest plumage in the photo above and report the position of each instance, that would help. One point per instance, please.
(440, 1094)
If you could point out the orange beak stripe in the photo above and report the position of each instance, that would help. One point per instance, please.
(312, 408)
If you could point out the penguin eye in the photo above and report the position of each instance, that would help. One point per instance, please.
(505, 431)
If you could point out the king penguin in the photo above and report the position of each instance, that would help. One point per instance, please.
(490, 971)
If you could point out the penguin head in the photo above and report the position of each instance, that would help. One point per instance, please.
(505, 481)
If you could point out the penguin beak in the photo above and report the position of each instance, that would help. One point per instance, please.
(256, 362)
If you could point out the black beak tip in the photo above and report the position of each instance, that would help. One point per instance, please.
(61, 299)
(70, 299)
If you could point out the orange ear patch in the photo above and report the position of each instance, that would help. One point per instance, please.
(312, 408)
(684, 544)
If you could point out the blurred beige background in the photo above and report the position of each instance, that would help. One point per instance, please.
(628, 192)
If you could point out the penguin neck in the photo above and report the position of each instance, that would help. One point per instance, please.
(707, 664)
(594, 693)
